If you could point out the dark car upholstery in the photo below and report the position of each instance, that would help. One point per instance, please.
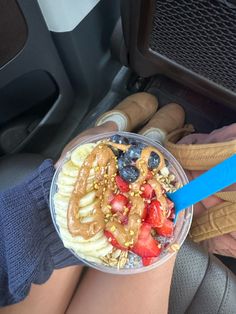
(201, 283)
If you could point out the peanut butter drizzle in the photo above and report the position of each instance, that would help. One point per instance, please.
(159, 195)
(142, 165)
(127, 235)
(106, 164)
(122, 147)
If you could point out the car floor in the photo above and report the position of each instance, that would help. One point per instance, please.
(206, 115)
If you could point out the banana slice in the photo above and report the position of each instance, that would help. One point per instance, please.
(61, 212)
(65, 189)
(89, 188)
(89, 198)
(65, 179)
(79, 154)
(61, 222)
(86, 219)
(70, 169)
(87, 210)
(89, 249)
(61, 202)
(89, 246)
(87, 257)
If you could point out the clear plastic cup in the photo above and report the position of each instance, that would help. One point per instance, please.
(182, 225)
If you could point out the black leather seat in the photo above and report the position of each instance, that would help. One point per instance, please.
(201, 283)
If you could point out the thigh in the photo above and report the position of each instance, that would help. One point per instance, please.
(52, 297)
(102, 293)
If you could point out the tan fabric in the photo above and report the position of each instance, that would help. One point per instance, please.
(198, 156)
(214, 223)
(217, 220)
(167, 119)
(137, 109)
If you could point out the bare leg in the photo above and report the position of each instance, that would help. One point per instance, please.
(113, 294)
(52, 297)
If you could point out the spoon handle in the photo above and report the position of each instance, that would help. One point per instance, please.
(210, 182)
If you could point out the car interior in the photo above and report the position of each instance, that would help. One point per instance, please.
(64, 63)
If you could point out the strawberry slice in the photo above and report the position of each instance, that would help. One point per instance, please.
(155, 216)
(118, 203)
(122, 184)
(146, 245)
(113, 241)
(148, 191)
(172, 214)
(170, 203)
(148, 260)
(166, 229)
(145, 211)
(149, 175)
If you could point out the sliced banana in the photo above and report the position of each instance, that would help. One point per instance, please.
(61, 202)
(97, 246)
(87, 210)
(70, 169)
(65, 179)
(89, 246)
(65, 189)
(88, 258)
(61, 222)
(87, 219)
(89, 187)
(89, 198)
(79, 154)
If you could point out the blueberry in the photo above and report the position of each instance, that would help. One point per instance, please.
(153, 160)
(134, 152)
(123, 161)
(136, 143)
(129, 173)
(119, 139)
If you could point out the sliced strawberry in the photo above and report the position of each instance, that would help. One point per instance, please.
(145, 211)
(155, 216)
(166, 229)
(113, 241)
(118, 203)
(146, 245)
(170, 203)
(148, 260)
(123, 218)
(122, 184)
(129, 205)
(172, 214)
(149, 175)
(147, 191)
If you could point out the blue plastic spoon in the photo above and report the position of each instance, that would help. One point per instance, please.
(212, 181)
